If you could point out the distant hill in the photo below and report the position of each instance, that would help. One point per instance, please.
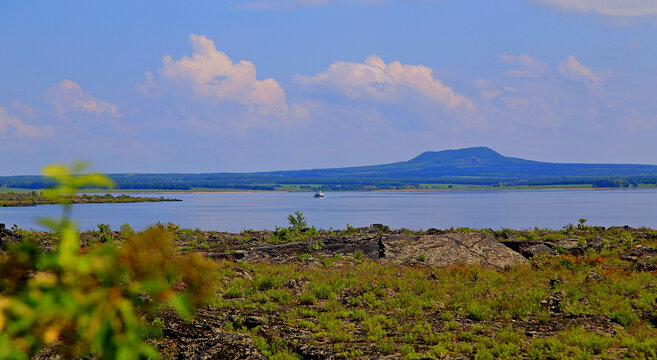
(476, 165)
(478, 162)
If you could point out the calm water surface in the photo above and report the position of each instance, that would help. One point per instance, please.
(414, 210)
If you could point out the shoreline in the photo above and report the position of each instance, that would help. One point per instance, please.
(147, 191)
(242, 191)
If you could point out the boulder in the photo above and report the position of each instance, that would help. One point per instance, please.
(538, 249)
(449, 249)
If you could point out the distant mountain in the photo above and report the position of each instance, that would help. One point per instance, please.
(476, 165)
(477, 162)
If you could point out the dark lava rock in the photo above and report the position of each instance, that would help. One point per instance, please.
(555, 281)
(641, 252)
(369, 246)
(276, 252)
(538, 249)
(297, 284)
(595, 245)
(555, 301)
(204, 339)
(644, 257)
(520, 246)
(433, 231)
(593, 276)
(378, 228)
(226, 256)
(253, 321)
(569, 245)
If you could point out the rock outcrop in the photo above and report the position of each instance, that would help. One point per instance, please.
(433, 250)
(449, 249)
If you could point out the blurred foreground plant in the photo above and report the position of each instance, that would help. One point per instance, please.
(90, 301)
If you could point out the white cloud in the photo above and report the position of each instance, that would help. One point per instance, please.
(573, 69)
(610, 8)
(69, 96)
(22, 129)
(212, 75)
(375, 80)
(524, 61)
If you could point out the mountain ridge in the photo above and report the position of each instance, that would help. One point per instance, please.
(474, 165)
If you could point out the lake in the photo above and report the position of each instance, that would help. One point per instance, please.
(410, 209)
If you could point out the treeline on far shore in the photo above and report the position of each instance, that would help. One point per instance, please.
(33, 198)
(266, 182)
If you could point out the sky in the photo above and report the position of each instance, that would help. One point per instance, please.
(257, 85)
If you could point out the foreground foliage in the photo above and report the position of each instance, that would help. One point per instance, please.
(91, 300)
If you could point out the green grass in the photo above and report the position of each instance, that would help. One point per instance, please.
(365, 308)
(394, 307)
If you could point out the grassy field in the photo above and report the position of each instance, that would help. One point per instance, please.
(597, 304)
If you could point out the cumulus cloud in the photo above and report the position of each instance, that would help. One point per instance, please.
(22, 129)
(610, 8)
(69, 96)
(212, 75)
(375, 80)
(573, 69)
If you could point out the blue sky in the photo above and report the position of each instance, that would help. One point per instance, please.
(213, 86)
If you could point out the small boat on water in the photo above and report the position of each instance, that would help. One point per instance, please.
(319, 194)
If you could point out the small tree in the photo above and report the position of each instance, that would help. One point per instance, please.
(297, 221)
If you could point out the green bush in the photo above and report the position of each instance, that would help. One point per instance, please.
(297, 221)
(307, 299)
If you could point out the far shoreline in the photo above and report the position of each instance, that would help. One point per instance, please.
(205, 191)
(245, 191)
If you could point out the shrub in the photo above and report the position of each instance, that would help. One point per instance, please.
(89, 302)
(297, 221)
(476, 312)
(126, 231)
(322, 291)
(624, 317)
(104, 233)
(307, 299)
